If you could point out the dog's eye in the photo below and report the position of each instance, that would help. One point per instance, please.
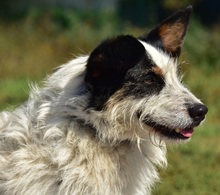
(150, 79)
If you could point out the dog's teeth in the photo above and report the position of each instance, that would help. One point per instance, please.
(178, 130)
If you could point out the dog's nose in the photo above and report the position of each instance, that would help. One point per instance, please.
(197, 112)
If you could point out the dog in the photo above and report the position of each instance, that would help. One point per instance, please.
(101, 122)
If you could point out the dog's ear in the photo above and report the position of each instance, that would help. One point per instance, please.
(109, 62)
(169, 35)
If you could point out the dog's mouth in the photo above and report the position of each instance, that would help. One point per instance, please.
(173, 133)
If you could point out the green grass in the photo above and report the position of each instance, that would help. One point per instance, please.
(193, 167)
(31, 47)
(13, 92)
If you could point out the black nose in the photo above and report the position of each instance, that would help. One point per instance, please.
(197, 112)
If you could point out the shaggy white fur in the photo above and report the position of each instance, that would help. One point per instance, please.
(45, 151)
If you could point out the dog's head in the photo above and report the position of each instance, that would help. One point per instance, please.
(135, 82)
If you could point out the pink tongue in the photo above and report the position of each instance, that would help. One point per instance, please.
(187, 132)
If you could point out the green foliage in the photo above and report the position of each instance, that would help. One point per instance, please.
(9, 11)
(31, 47)
(174, 4)
(203, 47)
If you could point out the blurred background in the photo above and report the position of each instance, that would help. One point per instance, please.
(38, 35)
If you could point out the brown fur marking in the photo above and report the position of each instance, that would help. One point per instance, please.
(157, 70)
(172, 36)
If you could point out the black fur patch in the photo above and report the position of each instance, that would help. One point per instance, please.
(108, 65)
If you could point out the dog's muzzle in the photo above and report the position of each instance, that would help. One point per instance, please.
(196, 111)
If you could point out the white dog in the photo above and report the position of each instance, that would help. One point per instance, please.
(100, 124)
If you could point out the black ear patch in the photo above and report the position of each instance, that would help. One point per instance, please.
(108, 65)
(169, 35)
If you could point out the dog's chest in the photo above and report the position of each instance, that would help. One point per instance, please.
(99, 169)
